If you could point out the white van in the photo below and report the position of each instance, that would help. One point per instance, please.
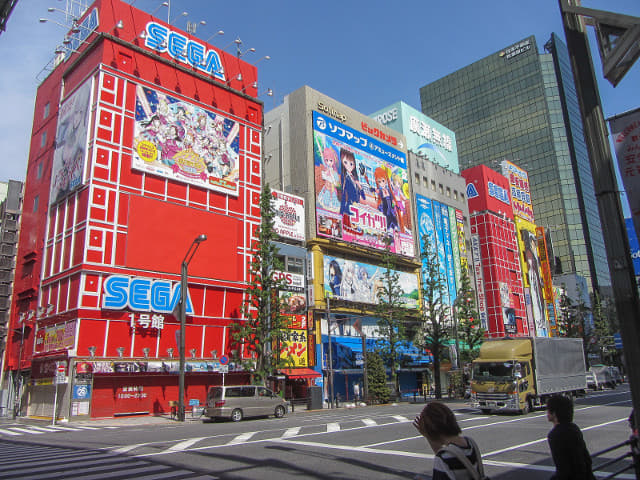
(239, 401)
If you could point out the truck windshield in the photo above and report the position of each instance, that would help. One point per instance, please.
(493, 371)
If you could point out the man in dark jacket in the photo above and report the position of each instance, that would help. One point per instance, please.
(568, 449)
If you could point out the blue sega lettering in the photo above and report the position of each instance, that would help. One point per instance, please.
(180, 48)
(142, 294)
(499, 193)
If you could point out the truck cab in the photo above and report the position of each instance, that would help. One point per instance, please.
(502, 377)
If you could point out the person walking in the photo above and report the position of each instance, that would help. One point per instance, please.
(356, 393)
(457, 457)
(568, 449)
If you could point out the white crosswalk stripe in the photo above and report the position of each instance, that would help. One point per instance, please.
(369, 422)
(15, 429)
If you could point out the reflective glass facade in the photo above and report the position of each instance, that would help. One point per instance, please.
(520, 105)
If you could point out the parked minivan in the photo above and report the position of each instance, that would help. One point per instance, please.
(239, 401)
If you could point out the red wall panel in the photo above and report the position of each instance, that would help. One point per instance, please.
(170, 229)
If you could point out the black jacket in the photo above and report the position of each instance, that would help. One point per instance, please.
(569, 453)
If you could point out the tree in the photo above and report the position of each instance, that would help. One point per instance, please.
(376, 379)
(263, 330)
(391, 314)
(434, 332)
(602, 328)
(470, 331)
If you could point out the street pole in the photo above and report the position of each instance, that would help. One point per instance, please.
(606, 191)
(183, 320)
(365, 383)
(330, 359)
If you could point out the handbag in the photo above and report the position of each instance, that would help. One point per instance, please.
(476, 473)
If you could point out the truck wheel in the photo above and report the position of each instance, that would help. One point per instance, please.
(527, 407)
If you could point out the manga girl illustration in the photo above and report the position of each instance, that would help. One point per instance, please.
(386, 200)
(335, 277)
(352, 191)
(328, 197)
(171, 145)
(397, 187)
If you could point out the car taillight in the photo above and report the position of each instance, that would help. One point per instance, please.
(220, 403)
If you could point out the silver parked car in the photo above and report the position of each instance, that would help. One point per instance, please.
(239, 401)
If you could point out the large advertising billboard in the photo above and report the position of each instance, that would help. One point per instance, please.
(362, 189)
(532, 274)
(69, 157)
(520, 191)
(361, 282)
(178, 140)
(424, 136)
(625, 130)
(289, 221)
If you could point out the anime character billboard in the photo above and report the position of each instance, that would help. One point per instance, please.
(362, 191)
(178, 140)
(361, 282)
(69, 156)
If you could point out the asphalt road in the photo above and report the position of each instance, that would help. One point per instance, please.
(358, 443)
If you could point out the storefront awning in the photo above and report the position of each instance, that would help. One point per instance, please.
(300, 373)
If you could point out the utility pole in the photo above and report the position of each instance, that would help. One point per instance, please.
(606, 187)
(330, 359)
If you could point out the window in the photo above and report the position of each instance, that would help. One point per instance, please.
(43, 140)
(433, 185)
(417, 175)
(39, 174)
(425, 182)
(455, 195)
(448, 192)
(295, 265)
(36, 201)
(441, 189)
(46, 110)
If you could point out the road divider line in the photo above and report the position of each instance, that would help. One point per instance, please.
(127, 448)
(400, 418)
(370, 422)
(291, 432)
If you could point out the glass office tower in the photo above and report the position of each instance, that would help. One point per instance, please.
(520, 105)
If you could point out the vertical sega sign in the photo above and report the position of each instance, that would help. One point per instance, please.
(142, 294)
(182, 49)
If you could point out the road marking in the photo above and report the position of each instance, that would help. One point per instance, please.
(43, 429)
(127, 448)
(242, 438)
(291, 432)
(7, 432)
(179, 447)
(514, 447)
(24, 430)
(400, 418)
(473, 418)
(370, 422)
(68, 429)
(333, 427)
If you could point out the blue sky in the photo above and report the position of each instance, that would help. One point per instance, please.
(364, 54)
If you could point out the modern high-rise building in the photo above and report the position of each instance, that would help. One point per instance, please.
(520, 105)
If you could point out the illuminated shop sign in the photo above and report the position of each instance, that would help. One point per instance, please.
(182, 49)
(499, 193)
(517, 49)
(332, 112)
(142, 294)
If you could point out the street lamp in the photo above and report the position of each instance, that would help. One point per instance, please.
(183, 317)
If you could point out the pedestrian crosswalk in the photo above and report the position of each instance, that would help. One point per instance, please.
(16, 430)
(44, 462)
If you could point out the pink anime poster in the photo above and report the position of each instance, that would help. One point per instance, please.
(361, 187)
(178, 140)
(70, 154)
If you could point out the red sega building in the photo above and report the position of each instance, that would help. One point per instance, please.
(501, 302)
(144, 137)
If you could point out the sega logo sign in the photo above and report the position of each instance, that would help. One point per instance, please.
(142, 294)
(498, 192)
(184, 50)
